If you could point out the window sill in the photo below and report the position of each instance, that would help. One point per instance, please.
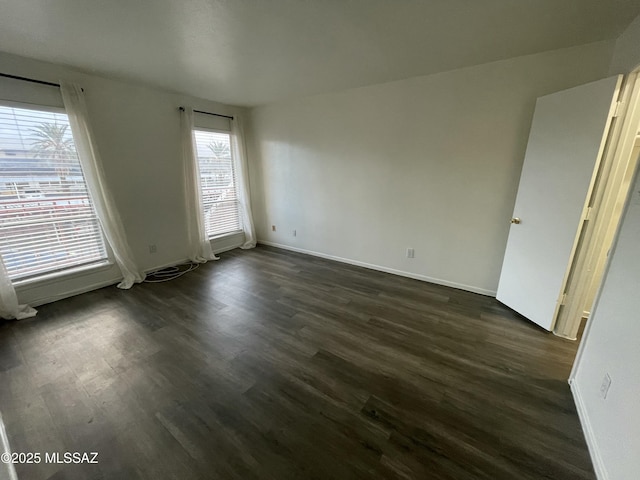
(63, 274)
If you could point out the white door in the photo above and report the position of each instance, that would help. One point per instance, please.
(565, 145)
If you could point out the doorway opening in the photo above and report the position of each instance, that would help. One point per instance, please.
(581, 156)
(605, 204)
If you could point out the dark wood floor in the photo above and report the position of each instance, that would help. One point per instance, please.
(269, 364)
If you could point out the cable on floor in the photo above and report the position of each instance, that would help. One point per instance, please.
(170, 273)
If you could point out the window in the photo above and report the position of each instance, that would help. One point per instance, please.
(218, 182)
(47, 221)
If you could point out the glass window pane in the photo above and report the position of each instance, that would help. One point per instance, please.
(47, 220)
(218, 182)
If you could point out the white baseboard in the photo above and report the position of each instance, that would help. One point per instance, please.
(218, 245)
(415, 276)
(596, 459)
(186, 260)
(166, 265)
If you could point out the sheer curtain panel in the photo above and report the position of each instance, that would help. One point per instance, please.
(242, 174)
(9, 307)
(108, 215)
(198, 241)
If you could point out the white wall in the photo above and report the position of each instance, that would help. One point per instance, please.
(626, 56)
(137, 132)
(430, 163)
(612, 345)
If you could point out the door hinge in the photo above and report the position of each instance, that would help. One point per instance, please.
(587, 215)
(616, 112)
(563, 299)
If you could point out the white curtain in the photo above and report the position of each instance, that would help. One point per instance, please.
(9, 307)
(242, 175)
(198, 241)
(76, 109)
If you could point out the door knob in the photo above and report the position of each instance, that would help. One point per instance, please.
(516, 220)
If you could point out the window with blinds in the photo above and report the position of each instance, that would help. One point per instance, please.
(47, 221)
(218, 182)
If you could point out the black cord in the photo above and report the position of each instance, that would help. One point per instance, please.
(170, 273)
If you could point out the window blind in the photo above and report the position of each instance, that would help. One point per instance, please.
(211, 122)
(218, 182)
(47, 220)
(19, 91)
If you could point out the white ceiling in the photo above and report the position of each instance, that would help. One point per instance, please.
(249, 52)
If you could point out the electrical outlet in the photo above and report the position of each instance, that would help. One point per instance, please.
(411, 253)
(295, 233)
(153, 248)
(273, 228)
(606, 383)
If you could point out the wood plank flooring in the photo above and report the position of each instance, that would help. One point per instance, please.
(273, 365)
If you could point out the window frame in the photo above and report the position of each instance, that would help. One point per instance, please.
(73, 270)
(235, 178)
